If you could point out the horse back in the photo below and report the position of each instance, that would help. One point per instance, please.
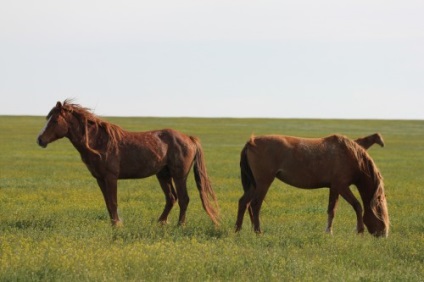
(301, 162)
(143, 154)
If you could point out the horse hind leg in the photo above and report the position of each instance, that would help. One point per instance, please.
(332, 205)
(168, 189)
(183, 198)
(351, 199)
(256, 203)
(244, 203)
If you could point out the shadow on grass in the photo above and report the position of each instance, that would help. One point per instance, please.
(40, 224)
(157, 231)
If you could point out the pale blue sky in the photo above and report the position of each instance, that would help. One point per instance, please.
(239, 58)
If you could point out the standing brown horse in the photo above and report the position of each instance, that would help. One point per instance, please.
(368, 141)
(111, 153)
(334, 162)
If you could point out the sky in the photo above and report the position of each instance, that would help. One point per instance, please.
(361, 59)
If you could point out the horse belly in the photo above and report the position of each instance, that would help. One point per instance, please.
(302, 180)
(137, 173)
(139, 166)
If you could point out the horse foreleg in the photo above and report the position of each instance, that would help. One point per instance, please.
(332, 205)
(168, 189)
(351, 199)
(183, 198)
(109, 186)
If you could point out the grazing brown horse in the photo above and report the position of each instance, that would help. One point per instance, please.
(111, 153)
(368, 141)
(334, 162)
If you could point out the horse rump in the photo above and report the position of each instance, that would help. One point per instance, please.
(247, 178)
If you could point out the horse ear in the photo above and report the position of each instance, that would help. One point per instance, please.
(59, 105)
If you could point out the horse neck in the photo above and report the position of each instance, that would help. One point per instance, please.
(365, 142)
(79, 132)
(370, 183)
(368, 142)
(366, 188)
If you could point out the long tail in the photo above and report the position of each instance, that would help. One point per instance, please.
(207, 194)
(247, 178)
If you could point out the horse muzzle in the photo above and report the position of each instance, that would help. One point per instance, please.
(381, 234)
(41, 143)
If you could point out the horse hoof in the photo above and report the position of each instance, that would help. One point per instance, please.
(259, 232)
(163, 222)
(117, 224)
(360, 231)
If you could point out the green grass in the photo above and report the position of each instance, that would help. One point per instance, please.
(54, 225)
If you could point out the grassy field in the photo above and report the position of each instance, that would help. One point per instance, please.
(54, 225)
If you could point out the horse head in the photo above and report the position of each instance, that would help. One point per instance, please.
(376, 217)
(375, 225)
(56, 127)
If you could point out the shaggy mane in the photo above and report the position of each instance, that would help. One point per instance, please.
(366, 164)
(87, 118)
